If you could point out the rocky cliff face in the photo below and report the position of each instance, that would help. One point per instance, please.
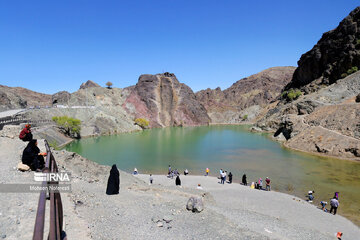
(164, 101)
(335, 55)
(325, 122)
(17, 97)
(252, 93)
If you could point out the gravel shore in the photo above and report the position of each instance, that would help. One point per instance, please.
(143, 211)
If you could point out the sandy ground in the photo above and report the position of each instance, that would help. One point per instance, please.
(143, 211)
(274, 214)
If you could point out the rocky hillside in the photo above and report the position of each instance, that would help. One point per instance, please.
(160, 98)
(336, 55)
(18, 97)
(163, 100)
(247, 96)
(325, 117)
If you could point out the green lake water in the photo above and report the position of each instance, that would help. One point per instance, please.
(232, 148)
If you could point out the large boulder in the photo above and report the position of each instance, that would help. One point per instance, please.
(195, 204)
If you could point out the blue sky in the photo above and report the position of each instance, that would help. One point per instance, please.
(49, 46)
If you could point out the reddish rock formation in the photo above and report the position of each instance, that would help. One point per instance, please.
(165, 102)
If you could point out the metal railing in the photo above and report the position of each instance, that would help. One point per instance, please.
(56, 211)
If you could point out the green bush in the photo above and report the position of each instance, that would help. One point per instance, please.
(291, 94)
(142, 122)
(352, 70)
(54, 145)
(358, 42)
(245, 117)
(344, 75)
(70, 126)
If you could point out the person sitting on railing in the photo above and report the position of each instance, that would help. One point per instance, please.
(33, 157)
(26, 134)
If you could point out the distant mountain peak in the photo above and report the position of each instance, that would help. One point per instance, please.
(89, 84)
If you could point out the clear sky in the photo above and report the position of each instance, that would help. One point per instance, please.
(49, 46)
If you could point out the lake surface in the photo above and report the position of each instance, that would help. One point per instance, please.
(232, 148)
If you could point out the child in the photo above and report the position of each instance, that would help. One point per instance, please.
(151, 179)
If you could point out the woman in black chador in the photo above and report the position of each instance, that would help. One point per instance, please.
(244, 180)
(177, 181)
(32, 156)
(113, 184)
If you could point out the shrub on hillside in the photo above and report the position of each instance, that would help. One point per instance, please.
(142, 122)
(291, 95)
(70, 126)
(352, 70)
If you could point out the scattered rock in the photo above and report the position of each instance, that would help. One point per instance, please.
(195, 204)
(3, 236)
(23, 167)
(357, 99)
(160, 224)
(167, 219)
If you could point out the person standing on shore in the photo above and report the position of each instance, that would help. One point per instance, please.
(230, 177)
(186, 172)
(260, 183)
(267, 180)
(225, 174)
(244, 181)
(207, 172)
(113, 184)
(169, 170)
(151, 179)
(334, 203)
(222, 176)
(177, 181)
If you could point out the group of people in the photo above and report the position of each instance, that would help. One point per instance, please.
(31, 156)
(334, 202)
(223, 175)
(259, 184)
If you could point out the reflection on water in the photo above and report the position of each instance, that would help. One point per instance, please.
(232, 148)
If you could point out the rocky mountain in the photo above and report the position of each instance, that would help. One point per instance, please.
(160, 98)
(163, 100)
(324, 119)
(247, 96)
(336, 55)
(18, 97)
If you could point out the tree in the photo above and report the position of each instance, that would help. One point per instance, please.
(70, 126)
(109, 84)
(142, 122)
